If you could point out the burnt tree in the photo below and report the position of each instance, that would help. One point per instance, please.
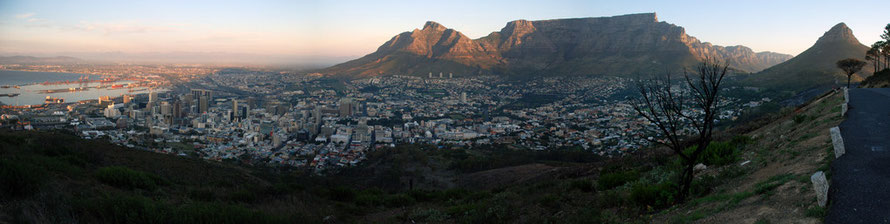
(684, 116)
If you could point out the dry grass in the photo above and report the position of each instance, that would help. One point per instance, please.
(776, 187)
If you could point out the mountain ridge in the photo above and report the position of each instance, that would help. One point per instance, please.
(624, 44)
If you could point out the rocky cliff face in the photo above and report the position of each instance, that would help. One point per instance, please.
(627, 44)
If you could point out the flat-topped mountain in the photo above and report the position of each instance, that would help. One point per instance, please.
(816, 66)
(627, 44)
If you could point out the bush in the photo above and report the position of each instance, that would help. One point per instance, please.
(656, 195)
(368, 200)
(20, 179)
(800, 118)
(584, 185)
(816, 212)
(608, 181)
(398, 200)
(717, 153)
(119, 208)
(243, 195)
(127, 178)
(344, 194)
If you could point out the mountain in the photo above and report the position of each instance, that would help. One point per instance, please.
(39, 60)
(627, 44)
(816, 66)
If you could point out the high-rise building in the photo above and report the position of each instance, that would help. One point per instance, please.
(127, 98)
(177, 109)
(346, 107)
(235, 111)
(198, 93)
(152, 96)
(463, 97)
(105, 100)
(166, 108)
(204, 102)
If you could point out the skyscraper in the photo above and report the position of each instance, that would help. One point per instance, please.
(198, 93)
(346, 107)
(152, 96)
(166, 108)
(203, 104)
(237, 113)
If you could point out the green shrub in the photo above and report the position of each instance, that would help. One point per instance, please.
(202, 194)
(344, 194)
(120, 208)
(20, 179)
(655, 195)
(398, 200)
(717, 153)
(243, 195)
(800, 118)
(203, 212)
(368, 200)
(550, 201)
(128, 178)
(428, 215)
(584, 185)
(816, 212)
(608, 181)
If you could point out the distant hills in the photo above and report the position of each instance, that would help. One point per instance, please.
(815, 66)
(38, 60)
(627, 44)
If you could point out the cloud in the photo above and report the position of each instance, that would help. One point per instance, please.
(125, 27)
(25, 15)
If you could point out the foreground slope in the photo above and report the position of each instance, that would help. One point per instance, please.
(626, 44)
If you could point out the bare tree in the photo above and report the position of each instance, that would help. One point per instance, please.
(672, 112)
(850, 66)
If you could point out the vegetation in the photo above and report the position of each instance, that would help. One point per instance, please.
(850, 66)
(879, 53)
(665, 109)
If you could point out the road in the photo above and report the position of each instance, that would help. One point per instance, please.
(860, 180)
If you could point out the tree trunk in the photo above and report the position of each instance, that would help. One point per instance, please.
(848, 80)
(686, 181)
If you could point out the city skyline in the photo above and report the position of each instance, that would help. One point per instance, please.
(333, 32)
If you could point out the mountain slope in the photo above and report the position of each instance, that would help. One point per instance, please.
(39, 60)
(815, 66)
(626, 44)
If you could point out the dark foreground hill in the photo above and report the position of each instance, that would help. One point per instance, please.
(626, 44)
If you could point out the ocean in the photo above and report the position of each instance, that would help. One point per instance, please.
(31, 92)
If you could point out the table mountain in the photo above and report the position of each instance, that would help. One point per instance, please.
(627, 44)
(815, 66)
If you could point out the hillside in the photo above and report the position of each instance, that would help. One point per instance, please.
(878, 80)
(56, 177)
(626, 44)
(39, 60)
(816, 66)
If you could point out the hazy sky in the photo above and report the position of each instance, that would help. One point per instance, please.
(355, 28)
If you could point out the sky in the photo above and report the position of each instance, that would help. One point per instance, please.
(341, 30)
